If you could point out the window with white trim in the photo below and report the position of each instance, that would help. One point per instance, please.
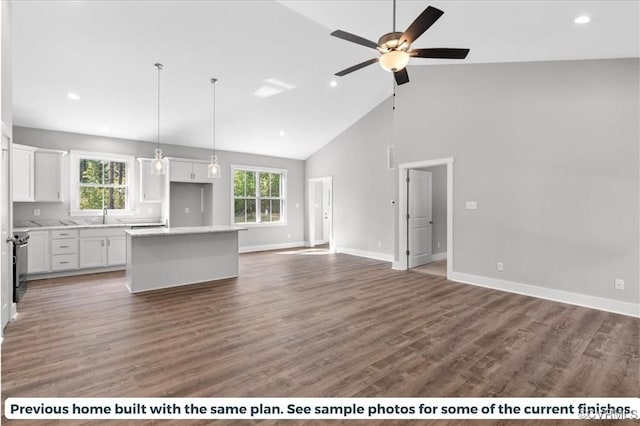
(258, 195)
(100, 181)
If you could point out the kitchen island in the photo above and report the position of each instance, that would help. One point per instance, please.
(167, 257)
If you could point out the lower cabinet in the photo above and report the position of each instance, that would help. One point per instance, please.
(38, 254)
(102, 247)
(64, 250)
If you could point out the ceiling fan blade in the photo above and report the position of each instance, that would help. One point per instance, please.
(354, 39)
(401, 76)
(439, 53)
(356, 67)
(421, 24)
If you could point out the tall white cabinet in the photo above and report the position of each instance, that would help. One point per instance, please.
(23, 176)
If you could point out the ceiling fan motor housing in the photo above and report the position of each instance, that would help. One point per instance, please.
(393, 41)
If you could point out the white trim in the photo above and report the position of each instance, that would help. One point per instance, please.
(401, 262)
(368, 254)
(266, 247)
(439, 256)
(74, 185)
(593, 302)
(283, 196)
(311, 232)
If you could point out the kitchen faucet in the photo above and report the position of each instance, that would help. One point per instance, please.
(104, 215)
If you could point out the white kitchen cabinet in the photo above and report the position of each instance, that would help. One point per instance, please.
(102, 247)
(38, 255)
(23, 183)
(151, 186)
(92, 252)
(64, 249)
(188, 171)
(116, 251)
(48, 175)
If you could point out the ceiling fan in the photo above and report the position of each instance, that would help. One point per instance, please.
(394, 46)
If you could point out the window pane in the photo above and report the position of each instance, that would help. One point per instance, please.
(239, 211)
(264, 185)
(275, 210)
(239, 179)
(265, 210)
(251, 210)
(91, 171)
(91, 198)
(115, 198)
(251, 185)
(115, 173)
(275, 184)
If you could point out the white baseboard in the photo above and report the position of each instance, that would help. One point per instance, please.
(265, 247)
(609, 305)
(368, 254)
(439, 256)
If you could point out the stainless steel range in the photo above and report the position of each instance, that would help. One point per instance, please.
(20, 247)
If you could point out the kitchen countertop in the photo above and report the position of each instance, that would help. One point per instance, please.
(182, 230)
(52, 224)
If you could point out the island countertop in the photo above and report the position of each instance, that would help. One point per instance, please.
(150, 232)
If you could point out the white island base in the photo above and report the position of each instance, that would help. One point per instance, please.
(167, 257)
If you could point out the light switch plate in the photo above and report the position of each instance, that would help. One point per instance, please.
(619, 284)
(471, 205)
(36, 212)
(186, 209)
(500, 266)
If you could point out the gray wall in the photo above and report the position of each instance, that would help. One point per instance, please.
(255, 236)
(439, 207)
(5, 49)
(549, 150)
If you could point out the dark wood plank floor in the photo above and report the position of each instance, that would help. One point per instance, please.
(311, 324)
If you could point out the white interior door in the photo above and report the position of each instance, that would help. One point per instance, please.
(420, 219)
(326, 211)
(6, 259)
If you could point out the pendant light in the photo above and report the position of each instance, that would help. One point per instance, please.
(157, 165)
(213, 171)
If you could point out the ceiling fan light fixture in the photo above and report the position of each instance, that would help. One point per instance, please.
(394, 60)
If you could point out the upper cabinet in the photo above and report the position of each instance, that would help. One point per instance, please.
(48, 173)
(23, 176)
(37, 174)
(151, 186)
(188, 171)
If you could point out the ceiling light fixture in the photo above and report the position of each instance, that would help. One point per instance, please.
(213, 170)
(157, 165)
(584, 19)
(282, 133)
(333, 83)
(73, 96)
(394, 60)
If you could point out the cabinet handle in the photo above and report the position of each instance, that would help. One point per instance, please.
(58, 195)
(64, 234)
(63, 263)
(102, 243)
(64, 246)
(109, 243)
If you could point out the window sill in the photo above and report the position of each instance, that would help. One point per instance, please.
(99, 213)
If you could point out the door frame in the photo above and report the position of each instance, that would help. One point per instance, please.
(311, 216)
(401, 259)
(6, 267)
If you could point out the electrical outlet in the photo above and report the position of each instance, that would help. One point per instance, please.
(471, 205)
(289, 236)
(438, 244)
(619, 284)
(186, 209)
(500, 266)
(379, 244)
(36, 212)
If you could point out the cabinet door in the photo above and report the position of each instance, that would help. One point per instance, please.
(22, 177)
(200, 172)
(48, 169)
(181, 171)
(116, 251)
(151, 186)
(38, 252)
(93, 253)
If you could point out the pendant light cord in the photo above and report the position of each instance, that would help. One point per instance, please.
(213, 82)
(158, 67)
(394, 16)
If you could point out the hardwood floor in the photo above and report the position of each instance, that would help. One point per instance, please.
(309, 323)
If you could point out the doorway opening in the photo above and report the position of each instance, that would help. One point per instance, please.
(320, 212)
(420, 237)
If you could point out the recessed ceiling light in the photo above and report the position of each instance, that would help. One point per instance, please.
(584, 19)
(266, 91)
(282, 133)
(73, 96)
(333, 83)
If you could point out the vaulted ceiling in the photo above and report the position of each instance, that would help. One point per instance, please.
(104, 51)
